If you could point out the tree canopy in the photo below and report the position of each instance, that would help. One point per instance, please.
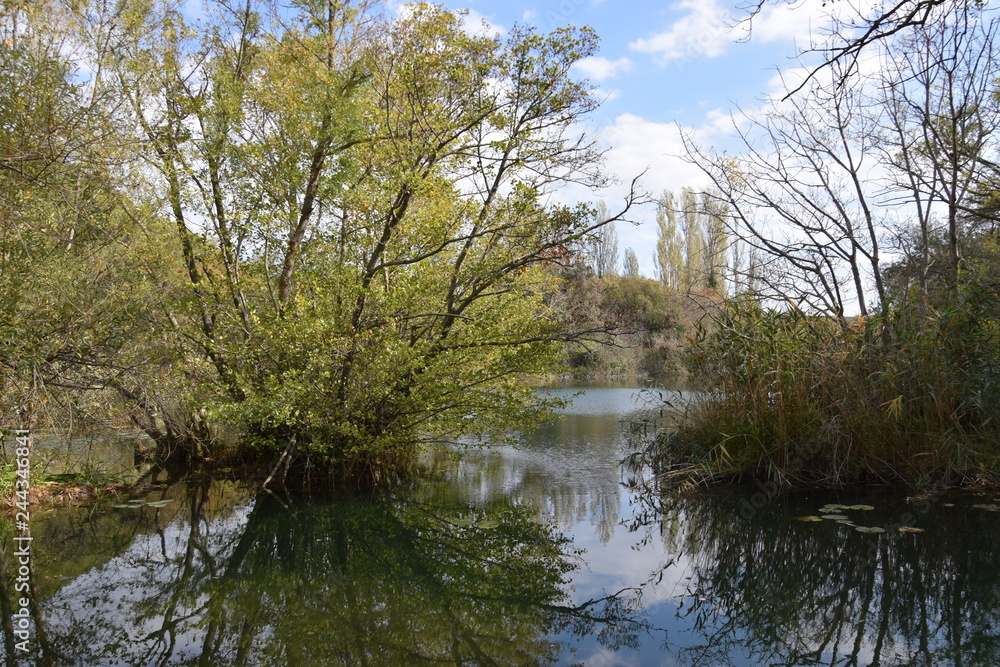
(343, 216)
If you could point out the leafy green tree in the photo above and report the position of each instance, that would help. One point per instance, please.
(75, 264)
(359, 211)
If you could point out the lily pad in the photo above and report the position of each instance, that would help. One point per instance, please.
(869, 529)
(832, 507)
(489, 523)
(808, 518)
(947, 504)
(836, 517)
(909, 529)
(989, 508)
(161, 503)
(859, 507)
(127, 507)
(846, 523)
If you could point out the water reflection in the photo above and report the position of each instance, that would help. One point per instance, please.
(763, 588)
(566, 470)
(417, 577)
(530, 553)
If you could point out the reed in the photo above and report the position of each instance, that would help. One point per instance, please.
(905, 397)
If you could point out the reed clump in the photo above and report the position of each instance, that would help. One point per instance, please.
(905, 397)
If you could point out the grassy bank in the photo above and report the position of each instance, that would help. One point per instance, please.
(898, 399)
(51, 489)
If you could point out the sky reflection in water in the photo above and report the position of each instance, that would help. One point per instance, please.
(534, 554)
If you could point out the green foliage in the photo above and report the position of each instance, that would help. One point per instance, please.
(374, 257)
(313, 223)
(639, 321)
(803, 399)
(77, 259)
(640, 304)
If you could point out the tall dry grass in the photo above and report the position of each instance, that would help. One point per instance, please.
(907, 397)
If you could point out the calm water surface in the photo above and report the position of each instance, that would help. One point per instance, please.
(536, 553)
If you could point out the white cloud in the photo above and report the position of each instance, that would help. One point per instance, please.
(606, 95)
(480, 26)
(637, 145)
(804, 22)
(781, 22)
(599, 68)
(704, 31)
(708, 30)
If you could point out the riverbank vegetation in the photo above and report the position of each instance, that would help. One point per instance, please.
(318, 225)
(314, 234)
(652, 318)
(863, 346)
(801, 400)
(650, 327)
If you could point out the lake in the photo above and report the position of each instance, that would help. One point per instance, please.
(535, 552)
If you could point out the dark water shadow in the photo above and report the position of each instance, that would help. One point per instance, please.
(417, 576)
(763, 588)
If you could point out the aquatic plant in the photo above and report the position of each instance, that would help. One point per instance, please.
(803, 399)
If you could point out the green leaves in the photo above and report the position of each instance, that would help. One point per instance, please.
(309, 222)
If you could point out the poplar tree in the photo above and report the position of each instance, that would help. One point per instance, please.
(604, 246)
(693, 233)
(715, 211)
(630, 264)
(669, 246)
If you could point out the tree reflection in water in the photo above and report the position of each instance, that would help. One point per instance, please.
(770, 590)
(412, 578)
(463, 567)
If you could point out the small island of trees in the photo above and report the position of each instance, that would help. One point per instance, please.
(317, 236)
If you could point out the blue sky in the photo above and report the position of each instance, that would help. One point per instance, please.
(664, 66)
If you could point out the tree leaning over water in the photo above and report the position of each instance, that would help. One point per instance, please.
(324, 226)
(364, 240)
